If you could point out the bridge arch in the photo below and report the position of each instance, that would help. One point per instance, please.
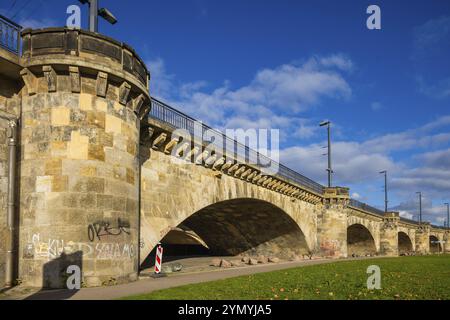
(405, 244)
(435, 247)
(183, 194)
(249, 226)
(360, 241)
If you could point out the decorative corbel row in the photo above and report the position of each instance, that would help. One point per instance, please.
(227, 165)
(252, 175)
(102, 84)
(239, 171)
(266, 182)
(210, 160)
(139, 107)
(75, 80)
(218, 164)
(181, 150)
(201, 157)
(158, 142)
(50, 77)
(261, 180)
(124, 91)
(246, 173)
(171, 144)
(30, 81)
(144, 111)
(191, 153)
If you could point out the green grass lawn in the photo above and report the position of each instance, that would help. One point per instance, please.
(425, 277)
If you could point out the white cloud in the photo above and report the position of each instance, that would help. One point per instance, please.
(337, 60)
(161, 82)
(406, 214)
(356, 196)
(274, 98)
(375, 106)
(409, 209)
(430, 56)
(437, 159)
(428, 36)
(352, 163)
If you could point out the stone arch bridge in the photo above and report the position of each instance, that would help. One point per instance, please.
(237, 209)
(94, 172)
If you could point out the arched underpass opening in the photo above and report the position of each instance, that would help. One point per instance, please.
(237, 227)
(360, 241)
(404, 244)
(435, 246)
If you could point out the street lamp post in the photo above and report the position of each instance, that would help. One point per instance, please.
(420, 206)
(385, 191)
(448, 215)
(329, 169)
(95, 12)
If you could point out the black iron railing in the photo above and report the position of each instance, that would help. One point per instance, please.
(239, 151)
(9, 35)
(364, 206)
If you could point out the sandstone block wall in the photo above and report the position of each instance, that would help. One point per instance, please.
(79, 185)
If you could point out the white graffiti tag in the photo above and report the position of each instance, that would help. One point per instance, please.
(53, 248)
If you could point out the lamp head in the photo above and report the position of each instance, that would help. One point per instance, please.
(107, 15)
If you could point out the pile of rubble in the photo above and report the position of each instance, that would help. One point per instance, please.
(222, 263)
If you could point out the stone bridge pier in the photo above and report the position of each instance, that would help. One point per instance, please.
(389, 238)
(82, 97)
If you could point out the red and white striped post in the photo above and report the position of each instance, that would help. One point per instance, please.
(158, 259)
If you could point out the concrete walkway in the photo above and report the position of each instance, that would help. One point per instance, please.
(147, 284)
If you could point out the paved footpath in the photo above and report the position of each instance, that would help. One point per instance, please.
(147, 284)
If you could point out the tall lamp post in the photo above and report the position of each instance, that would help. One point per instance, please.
(420, 206)
(385, 190)
(448, 215)
(95, 12)
(329, 169)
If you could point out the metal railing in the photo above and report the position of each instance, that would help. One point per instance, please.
(9, 35)
(364, 206)
(179, 120)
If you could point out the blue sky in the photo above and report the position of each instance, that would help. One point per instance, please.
(290, 64)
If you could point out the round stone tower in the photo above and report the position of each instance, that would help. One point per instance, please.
(83, 99)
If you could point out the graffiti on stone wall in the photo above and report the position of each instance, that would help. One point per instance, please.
(330, 247)
(104, 228)
(39, 248)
